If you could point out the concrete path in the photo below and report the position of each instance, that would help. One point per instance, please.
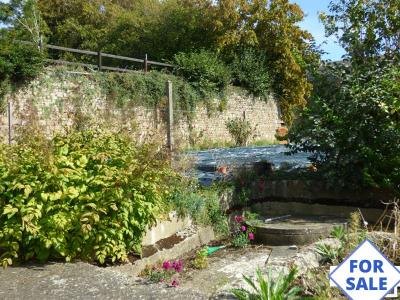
(81, 281)
(85, 281)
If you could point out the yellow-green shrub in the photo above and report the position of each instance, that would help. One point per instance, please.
(87, 195)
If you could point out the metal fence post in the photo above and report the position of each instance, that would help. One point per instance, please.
(170, 121)
(145, 63)
(9, 122)
(99, 61)
(40, 42)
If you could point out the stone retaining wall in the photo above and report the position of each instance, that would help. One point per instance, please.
(57, 102)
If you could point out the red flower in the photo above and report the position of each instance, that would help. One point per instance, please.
(251, 236)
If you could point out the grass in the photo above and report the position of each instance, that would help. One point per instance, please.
(262, 143)
(207, 144)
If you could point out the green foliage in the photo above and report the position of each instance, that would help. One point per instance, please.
(249, 70)
(350, 133)
(166, 29)
(87, 195)
(353, 118)
(290, 54)
(367, 30)
(252, 218)
(269, 289)
(18, 63)
(157, 276)
(240, 130)
(348, 240)
(240, 240)
(329, 253)
(164, 272)
(315, 284)
(148, 90)
(201, 260)
(204, 70)
(23, 20)
(339, 232)
(243, 231)
(202, 204)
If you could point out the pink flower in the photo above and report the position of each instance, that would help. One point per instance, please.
(174, 283)
(239, 219)
(244, 228)
(162, 279)
(166, 265)
(251, 236)
(178, 265)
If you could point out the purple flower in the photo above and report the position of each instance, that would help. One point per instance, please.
(251, 236)
(166, 265)
(244, 228)
(174, 283)
(239, 219)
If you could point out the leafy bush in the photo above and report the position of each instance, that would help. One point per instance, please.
(352, 133)
(240, 130)
(203, 205)
(249, 70)
(19, 62)
(204, 70)
(269, 289)
(87, 195)
(201, 260)
(243, 232)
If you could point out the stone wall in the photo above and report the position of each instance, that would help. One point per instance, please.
(262, 115)
(58, 101)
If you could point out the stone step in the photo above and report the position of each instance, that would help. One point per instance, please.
(296, 230)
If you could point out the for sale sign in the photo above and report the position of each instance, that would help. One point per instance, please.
(366, 274)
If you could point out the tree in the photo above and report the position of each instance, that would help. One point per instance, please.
(271, 26)
(290, 54)
(366, 29)
(353, 135)
(351, 126)
(23, 18)
(162, 29)
(76, 24)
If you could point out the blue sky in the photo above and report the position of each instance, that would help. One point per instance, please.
(311, 23)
